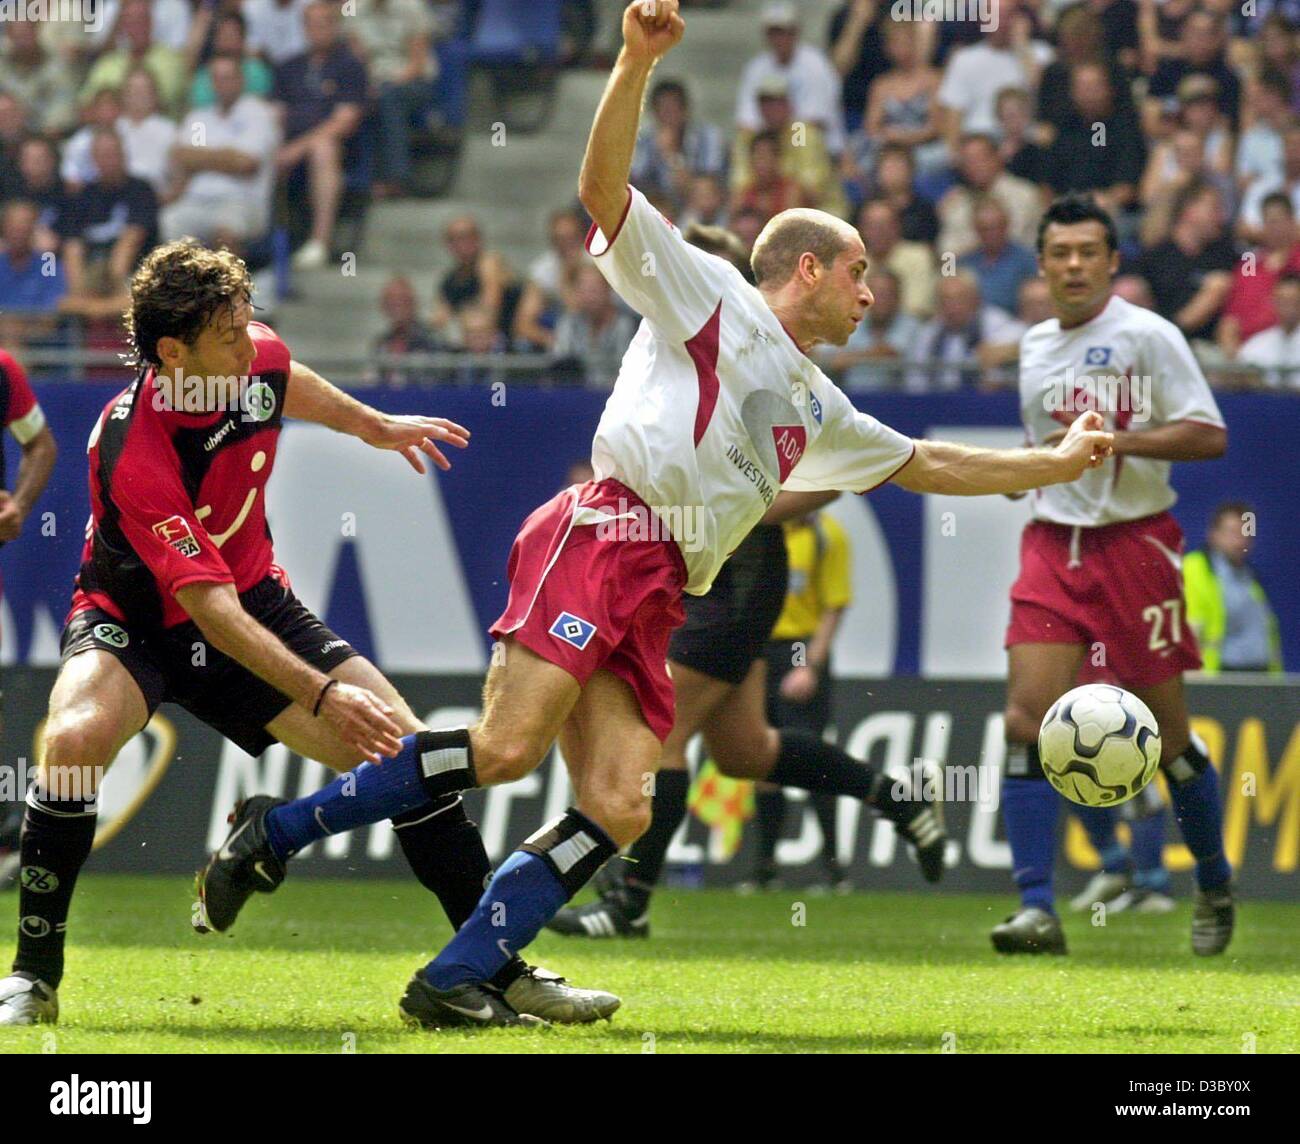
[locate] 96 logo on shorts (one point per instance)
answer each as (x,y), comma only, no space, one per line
(572,630)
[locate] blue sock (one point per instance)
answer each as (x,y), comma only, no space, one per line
(1029,809)
(372,793)
(1200,818)
(522,897)
(1149,871)
(1099,823)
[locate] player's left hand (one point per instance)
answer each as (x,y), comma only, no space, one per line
(413,435)
(799,684)
(11,517)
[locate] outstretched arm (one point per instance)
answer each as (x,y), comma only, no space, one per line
(650,29)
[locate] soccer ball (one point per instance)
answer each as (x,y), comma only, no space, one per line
(1099,745)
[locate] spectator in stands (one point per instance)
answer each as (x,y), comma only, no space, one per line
(1260,151)
(896,185)
(1033,305)
(1276,350)
(31,280)
(1003,57)
(478,335)
(1202,45)
(768,190)
(981,174)
(322,95)
(1080,39)
(147,136)
(747,225)
(1278,51)
(814,82)
(999,265)
(882,337)
(38,182)
(37,78)
(171,24)
(803,155)
(405,334)
(857,52)
(1035,302)
(1018,145)
(109,224)
(1249,308)
(912,262)
(706,204)
(1119,25)
(139,49)
(104,110)
(550,281)
(1226,605)
(229,37)
(1160,28)
(13,129)
(1250,222)
(392,38)
(593,335)
(1175,163)
(1135,289)
(1198,111)
(277,29)
(673,147)
(901,105)
(1100,149)
(1191,272)
(226,182)
(961,324)
(478,277)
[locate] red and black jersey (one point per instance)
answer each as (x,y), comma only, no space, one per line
(19,412)
(180,498)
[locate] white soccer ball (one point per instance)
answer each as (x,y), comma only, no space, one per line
(1099,745)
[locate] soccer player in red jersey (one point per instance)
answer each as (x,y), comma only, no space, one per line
(22,416)
(179,599)
(717,406)
(1100,586)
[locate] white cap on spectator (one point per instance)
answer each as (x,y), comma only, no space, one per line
(780,14)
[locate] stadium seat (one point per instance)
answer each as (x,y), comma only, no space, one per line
(518,47)
(436,147)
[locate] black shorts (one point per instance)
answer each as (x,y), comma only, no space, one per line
(726,630)
(811,716)
(176,665)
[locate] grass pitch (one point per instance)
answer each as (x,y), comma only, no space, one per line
(319,967)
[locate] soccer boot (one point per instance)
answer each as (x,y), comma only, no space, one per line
(1029,930)
(1141,900)
(26,1000)
(918,817)
(1101,887)
(540,993)
(614,914)
(243,866)
(468,1006)
(1213,918)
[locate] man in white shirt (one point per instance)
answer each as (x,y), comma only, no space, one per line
(1099,597)
(1277,350)
(717,406)
(814,84)
(226,155)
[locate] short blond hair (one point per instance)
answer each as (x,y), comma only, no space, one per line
(789,236)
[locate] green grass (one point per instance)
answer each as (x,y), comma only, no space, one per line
(871,972)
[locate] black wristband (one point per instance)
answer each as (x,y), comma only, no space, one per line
(321,697)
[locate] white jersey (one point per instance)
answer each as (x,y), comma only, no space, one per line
(1137,370)
(715,407)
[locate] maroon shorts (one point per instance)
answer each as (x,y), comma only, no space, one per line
(587,595)
(1117,589)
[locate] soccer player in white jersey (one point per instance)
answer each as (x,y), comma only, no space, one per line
(1100,586)
(716,407)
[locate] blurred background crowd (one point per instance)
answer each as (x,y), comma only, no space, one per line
(364,155)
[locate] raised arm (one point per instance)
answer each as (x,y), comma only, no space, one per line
(964,470)
(650,29)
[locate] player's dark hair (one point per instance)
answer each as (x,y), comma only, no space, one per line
(1237,508)
(720,241)
(1278,199)
(1075,208)
(176,291)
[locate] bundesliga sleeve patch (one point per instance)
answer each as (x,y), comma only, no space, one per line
(573,630)
(175,530)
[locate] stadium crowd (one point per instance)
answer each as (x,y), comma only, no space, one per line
(943,141)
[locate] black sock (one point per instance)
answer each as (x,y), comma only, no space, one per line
(769,806)
(808,762)
(56,841)
(826,808)
(645,859)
